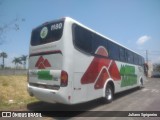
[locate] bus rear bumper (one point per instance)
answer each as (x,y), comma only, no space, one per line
(46,95)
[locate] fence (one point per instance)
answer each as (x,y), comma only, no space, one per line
(13,72)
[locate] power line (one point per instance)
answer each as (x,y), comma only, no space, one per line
(155,51)
(154,54)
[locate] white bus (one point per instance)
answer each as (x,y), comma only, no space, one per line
(70,63)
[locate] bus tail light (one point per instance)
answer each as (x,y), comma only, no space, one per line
(64,79)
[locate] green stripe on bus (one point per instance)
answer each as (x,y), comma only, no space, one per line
(44,75)
(128,75)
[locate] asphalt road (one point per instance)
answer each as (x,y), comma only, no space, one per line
(145,99)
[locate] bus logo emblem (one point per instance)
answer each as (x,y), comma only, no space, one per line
(44,32)
(42,63)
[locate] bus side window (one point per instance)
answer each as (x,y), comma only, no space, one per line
(135,59)
(113,50)
(132,57)
(122,54)
(99,41)
(82,39)
(126,55)
(140,61)
(129,56)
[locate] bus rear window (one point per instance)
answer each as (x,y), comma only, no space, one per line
(47,33)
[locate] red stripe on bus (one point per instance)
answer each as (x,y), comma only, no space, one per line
(46,53)
(114,72)
(109,69)
(101,79)
(94,69)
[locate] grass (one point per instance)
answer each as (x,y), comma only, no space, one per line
(13,92)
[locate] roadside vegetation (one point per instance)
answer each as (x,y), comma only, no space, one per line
(13,92)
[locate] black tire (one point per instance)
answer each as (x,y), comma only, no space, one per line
(108,94)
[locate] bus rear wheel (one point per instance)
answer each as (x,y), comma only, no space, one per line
(108,94)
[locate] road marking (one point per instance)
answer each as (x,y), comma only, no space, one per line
(154,90)
(150,90)
(144,89)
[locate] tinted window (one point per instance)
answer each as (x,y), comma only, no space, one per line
(127,55)
(47,33)
(99,41)
(82,38)
(131,55)
(88,41)
(122,54)
(136,59)
(113,50)
(140,61)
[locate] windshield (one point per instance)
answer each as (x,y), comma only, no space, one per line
(47,33)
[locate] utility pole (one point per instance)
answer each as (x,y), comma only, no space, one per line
(147,68)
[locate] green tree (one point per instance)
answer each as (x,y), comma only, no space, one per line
(17,61)
(3,55)
(24,59)
(13,24)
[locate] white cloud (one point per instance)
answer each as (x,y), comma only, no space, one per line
(143,39)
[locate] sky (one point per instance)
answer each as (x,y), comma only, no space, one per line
(132,23)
